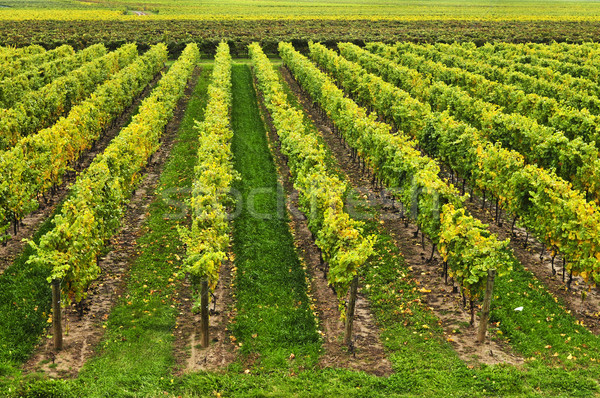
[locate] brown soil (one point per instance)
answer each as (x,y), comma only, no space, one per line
(32,222)
(82,334)
(190,356)
(437,295)
(586,311)
(366,352)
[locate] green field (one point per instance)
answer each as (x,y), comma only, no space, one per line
(274,9)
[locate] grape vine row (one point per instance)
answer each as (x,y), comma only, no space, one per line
(341,239)
(12,89)
(207,240)
(38,162)
(557,215)
(573,122)
(13,67)
(573,160)
(40,109)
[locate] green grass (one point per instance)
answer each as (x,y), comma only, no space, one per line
(274,319)
(545,327)
(25,304)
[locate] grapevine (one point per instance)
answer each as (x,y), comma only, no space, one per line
(559,216)
(341,239)
(38,162)
(41,108)
(208,239)
(573,160)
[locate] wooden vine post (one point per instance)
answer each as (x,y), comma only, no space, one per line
(350,311)
(487,300)
(56,316)
(204,313)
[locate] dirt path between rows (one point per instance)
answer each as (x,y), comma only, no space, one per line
(82,334)
(437,295)
(190,356)
(31,223)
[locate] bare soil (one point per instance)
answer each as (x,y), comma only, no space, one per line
(366,352)
(438,296)
(190,356)
(32,222)
(83,333)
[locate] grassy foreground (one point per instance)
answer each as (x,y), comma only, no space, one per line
(25,305)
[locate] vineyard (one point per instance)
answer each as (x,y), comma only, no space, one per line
(315,213)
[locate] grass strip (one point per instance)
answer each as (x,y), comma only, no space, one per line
(274,319)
